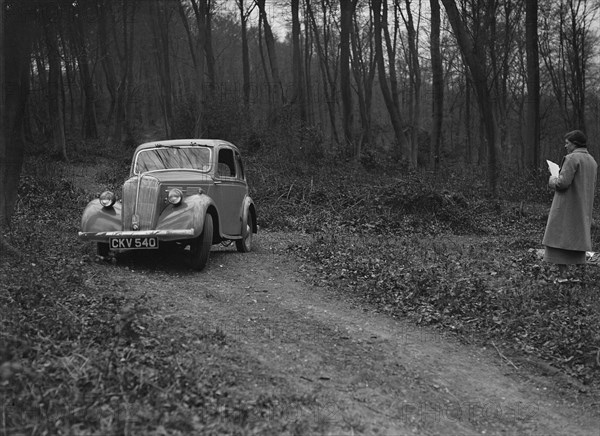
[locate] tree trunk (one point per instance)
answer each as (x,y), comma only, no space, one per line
(3,108)
(69,66)
(364,76)
(107,61)
(347,11)
(468,133)
(245,52)
(437,84)
(270,44)
(208,47)
(160,25)
(119,123)
(188,32)
(42,82)
(308,56)
(390,102)
(128,60)
(532,135)
(476,63)
(199,7)
(15,50)
(263,63)
(90,121)
(299,97)
(414,70)
(578,63)
(55,111)
(328,77)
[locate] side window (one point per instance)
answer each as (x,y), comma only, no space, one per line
(240,166)
(226,164)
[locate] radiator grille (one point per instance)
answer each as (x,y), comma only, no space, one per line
(147,201)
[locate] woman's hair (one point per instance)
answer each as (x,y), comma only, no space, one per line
(577,137)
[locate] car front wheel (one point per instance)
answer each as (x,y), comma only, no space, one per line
(244,245)
(200,246)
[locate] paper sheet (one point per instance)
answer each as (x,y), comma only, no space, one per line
(554,169)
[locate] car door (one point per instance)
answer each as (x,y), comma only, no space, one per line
(230,189)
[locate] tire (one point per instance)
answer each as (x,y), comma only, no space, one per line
(103,249)
(244,245)
(200,246)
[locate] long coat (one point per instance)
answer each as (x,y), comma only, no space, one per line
(570,219)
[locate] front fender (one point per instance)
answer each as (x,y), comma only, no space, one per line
(97,218)
(187,215)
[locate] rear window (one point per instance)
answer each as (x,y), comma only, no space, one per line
(152,159)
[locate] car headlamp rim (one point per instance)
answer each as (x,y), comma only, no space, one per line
(175,196)
(107,199)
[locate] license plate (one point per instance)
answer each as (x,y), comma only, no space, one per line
(138,243)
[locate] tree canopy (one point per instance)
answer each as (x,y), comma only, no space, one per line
(491,83)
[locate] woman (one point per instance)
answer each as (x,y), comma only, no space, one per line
(568,231)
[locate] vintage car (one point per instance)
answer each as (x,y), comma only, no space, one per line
(190,193)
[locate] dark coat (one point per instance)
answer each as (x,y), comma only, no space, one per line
(570,220)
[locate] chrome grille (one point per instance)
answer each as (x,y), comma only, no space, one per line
(147,201)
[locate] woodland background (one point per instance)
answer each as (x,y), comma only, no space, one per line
(405,140)
(486,83)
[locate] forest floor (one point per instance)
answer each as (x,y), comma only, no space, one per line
(305,354)
(382,318)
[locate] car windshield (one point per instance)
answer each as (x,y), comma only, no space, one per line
(163,158)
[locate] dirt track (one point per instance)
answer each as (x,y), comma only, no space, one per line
(371,374)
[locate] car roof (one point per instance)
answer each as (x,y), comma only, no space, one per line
(184,142)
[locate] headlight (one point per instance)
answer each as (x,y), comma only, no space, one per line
(175,196)
(107,199)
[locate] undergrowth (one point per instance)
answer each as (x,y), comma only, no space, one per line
(435,248)
(489,290)
(80,355)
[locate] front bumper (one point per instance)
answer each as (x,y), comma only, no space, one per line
(162,235)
